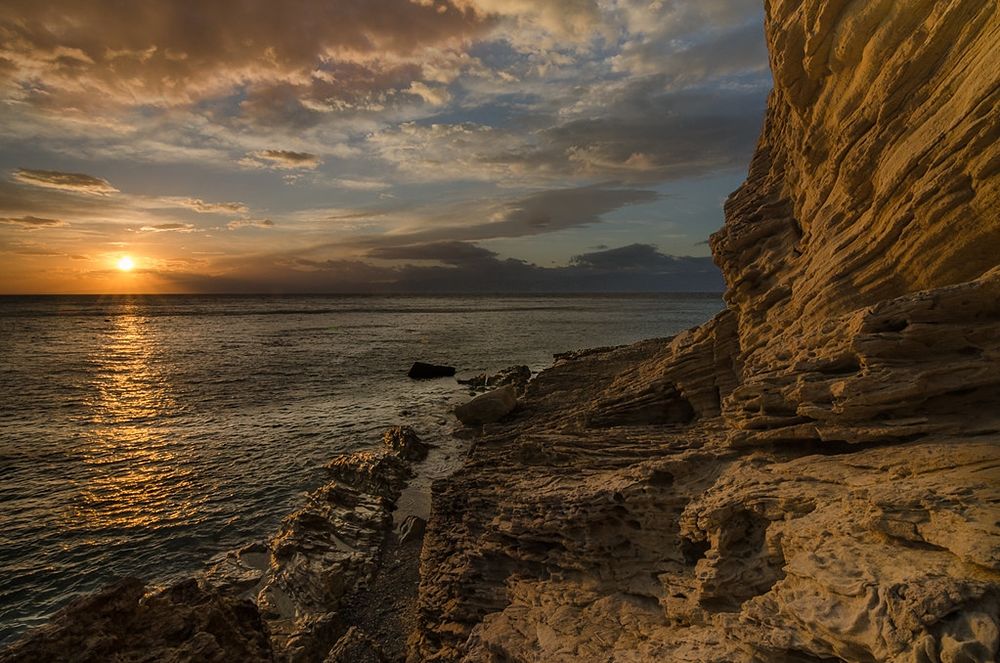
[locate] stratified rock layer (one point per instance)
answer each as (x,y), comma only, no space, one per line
(814,475)
(875,178)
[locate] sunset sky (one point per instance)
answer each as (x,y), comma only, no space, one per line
(372,145)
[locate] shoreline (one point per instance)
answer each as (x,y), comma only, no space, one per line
(395,479)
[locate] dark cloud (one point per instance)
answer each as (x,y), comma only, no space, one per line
(633,256)
(32,222)
(644,134)
(450,253)
(53,179)
(639,131)
(286,159)
(535,214)
(165,53)
(471,269)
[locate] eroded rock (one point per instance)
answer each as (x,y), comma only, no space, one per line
(489,407)
(812,475)
(518,376)
(404,441)
(185,622)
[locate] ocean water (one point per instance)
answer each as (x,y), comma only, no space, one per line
(142,435)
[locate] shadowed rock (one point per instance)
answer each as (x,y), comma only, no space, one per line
(356,647)
(489,407)
(424,371)
(185,622)
(517,376)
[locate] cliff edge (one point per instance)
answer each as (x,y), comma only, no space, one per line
(813,475)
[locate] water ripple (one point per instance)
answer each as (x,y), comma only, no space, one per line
(142,435)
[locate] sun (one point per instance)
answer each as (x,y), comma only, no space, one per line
(125,264)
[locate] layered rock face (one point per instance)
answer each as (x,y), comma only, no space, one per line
(814,475)
(875,178)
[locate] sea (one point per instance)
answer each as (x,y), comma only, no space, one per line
(141,435)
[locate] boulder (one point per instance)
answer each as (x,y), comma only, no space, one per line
(423,371)
(404,441)
(489,407)
(413,528)
(377,473)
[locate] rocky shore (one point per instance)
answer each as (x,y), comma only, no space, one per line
(813,475)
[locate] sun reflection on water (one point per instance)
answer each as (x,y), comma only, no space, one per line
(137,481)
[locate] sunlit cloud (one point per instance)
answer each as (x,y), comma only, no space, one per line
(250,223)
(52,179)
(32,222)
(168,227)
(203,207)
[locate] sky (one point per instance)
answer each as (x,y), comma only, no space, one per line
(372,145)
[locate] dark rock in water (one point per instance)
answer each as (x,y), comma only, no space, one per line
(185,622)
(356,646)
(412,528)
(378,473)
(489,407)
(422,371)
(513,375)
(405,442)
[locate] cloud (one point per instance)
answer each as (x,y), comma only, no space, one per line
(358,184)
(467,269)
(284,159)
(739,50)
(632,130)
(32,222)
(203,207)
(53,179)
(636,257)
(534,214)
(236,224)
(485,119)
(434,96)
(449,253)
(169,53)
(168,227)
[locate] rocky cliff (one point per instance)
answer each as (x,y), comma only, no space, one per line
(815,474)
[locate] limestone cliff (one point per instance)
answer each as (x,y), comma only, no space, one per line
(815,474)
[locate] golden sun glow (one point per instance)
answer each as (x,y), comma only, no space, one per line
(125,264)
